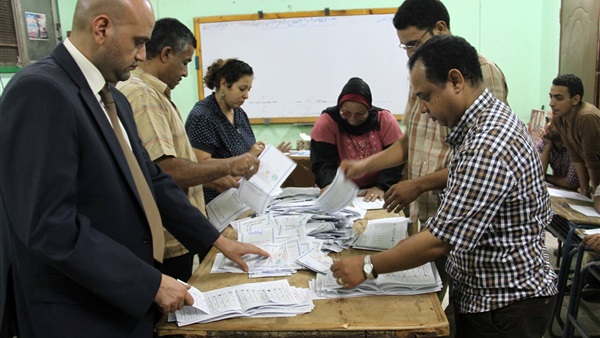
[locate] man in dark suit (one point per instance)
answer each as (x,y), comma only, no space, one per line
(77,248)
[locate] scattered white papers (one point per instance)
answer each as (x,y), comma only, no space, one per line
(568,194)
(281,260)
(591,231)
(225,208)
(266,299)
(316,260)
(588,211)
(382,234)
(360,202)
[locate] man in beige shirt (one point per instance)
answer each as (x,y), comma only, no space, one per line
(423,146)
(161,130)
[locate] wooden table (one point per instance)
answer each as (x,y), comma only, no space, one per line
(560,206)
(374,316)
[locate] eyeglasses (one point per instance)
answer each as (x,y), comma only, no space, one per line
(346,113)
(414,44)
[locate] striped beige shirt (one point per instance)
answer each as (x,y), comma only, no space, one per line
(162,133)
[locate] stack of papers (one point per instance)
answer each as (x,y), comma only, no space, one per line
(338,195)
(382,234)
(267,299)
(423,279)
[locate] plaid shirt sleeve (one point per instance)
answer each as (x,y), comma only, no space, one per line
(476,189)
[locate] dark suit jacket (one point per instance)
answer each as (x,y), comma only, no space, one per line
(74,235)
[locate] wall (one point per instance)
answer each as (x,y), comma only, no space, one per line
(522,37)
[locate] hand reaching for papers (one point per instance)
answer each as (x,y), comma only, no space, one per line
(284,147)
(257,148)
(223,184)
(353,169)
(234,250)
(243,165)
(348,272)
(172,295)
(400,195)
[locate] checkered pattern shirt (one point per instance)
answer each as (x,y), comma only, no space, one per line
(494,211)
(427,151)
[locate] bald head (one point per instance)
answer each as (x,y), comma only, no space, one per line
(87,10)
(112,34)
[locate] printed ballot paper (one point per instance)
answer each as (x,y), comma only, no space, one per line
(262,188)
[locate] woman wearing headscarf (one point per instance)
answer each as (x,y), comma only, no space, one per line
(354,129)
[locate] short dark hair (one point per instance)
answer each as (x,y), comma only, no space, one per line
(421,13)
(230,69)
(442,53)
(572,82)
(169,32)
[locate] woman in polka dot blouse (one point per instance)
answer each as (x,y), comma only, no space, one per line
(217,126)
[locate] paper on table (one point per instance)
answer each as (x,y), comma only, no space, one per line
(248,300)
(360,202)
(567,194)
(592,231)
(588,211)
(315,260)
(225,208)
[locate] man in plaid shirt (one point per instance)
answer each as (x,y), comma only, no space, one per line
(494,208)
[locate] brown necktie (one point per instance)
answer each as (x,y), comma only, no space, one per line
(148,202)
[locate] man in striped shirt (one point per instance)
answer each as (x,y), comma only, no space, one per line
(161,130)
(494,209)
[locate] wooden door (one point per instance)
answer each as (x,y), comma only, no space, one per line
(579,44)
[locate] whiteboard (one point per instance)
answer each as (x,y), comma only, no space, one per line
(301,63)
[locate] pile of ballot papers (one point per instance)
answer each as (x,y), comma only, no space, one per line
(423,279)
(267,299)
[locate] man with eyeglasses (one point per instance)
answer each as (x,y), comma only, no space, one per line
(422,146)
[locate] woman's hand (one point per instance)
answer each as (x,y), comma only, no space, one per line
(257,148)
(284,147)
(373,194)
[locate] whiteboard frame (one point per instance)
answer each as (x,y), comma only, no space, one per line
(268,16)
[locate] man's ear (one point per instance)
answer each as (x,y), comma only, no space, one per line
(100,25)
(440,28)
(576,99)
(165,53)
(456,78)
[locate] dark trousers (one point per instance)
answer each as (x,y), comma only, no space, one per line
(179,267)
(528,318)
